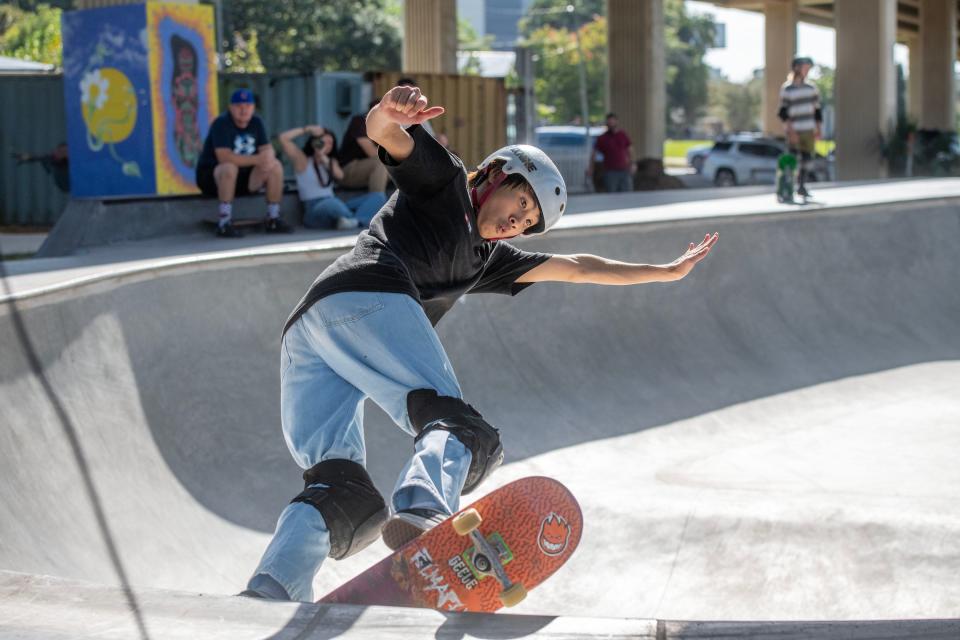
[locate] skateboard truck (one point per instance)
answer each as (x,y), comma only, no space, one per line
(486,559)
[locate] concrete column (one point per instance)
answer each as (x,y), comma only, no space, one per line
(636,81)
(915,80)
(938,45)
(780,45)
(430,36)
(865,85)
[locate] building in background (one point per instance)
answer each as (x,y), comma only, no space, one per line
(497,18)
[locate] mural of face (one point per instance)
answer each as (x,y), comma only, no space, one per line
(185,61)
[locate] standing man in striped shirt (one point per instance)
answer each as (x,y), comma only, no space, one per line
(800,112)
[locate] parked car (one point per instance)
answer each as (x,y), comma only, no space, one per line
(750,159)
(565,146)
(696,156)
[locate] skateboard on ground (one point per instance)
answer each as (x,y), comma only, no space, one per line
(213,222)
(480,559)
(786,167)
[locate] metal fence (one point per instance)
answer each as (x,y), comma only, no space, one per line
(32,121)
(476,110)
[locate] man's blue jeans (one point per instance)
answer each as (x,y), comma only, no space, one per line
(617,181)
(348,347)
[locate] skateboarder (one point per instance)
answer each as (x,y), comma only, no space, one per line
(365,329)
(801,115)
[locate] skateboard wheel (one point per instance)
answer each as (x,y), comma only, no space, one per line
(514,595)
(464,523)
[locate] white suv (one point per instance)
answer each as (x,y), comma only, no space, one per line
(746,159)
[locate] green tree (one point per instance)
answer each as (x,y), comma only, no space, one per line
(824,83)
(468,40)
(554,14)
(687,39)
(302,37)
(33,35)
(546,28)
(737,105)
(556,77)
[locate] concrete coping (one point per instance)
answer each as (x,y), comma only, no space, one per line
(133,259)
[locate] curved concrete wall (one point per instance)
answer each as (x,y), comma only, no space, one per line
(774,437)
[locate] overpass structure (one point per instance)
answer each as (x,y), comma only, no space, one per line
(771,439)
(865,81)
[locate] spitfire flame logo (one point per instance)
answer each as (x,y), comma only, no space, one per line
(554,534)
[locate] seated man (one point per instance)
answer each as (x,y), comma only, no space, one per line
(362,168)
(237,159)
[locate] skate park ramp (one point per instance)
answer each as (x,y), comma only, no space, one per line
(774,438)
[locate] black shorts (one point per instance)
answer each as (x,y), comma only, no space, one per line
(208,185)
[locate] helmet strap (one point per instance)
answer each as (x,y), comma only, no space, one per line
(493,186)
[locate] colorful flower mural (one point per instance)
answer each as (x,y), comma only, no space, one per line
(140,86)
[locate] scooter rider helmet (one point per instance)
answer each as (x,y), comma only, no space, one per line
(540,172)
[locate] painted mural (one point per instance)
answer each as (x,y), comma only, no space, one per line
(106,89)
(139,82)
(183,80)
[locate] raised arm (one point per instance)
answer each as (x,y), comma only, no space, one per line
(399,108)
(590,269)
(296,155)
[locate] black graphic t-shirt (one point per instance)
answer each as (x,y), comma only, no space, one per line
(424,241)
(225,134)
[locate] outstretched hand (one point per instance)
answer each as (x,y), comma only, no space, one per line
(407,106)
(694,254)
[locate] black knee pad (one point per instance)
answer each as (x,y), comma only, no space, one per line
(429,411)
(350,504)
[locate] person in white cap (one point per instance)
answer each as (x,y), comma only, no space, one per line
(365,329)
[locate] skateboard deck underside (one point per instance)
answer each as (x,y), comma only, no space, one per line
(535,524)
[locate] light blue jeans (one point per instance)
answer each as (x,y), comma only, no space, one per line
(345,348)
(322,213)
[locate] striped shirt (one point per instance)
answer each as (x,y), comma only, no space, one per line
(800,103)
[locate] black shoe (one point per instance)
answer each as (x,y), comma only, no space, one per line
(229,231)
(276,225)
(404,526)
(803,193)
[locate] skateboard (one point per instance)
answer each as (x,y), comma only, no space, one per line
(786,165)
(480,559)
(214,221)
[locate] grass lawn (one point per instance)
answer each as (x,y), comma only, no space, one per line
(679,148)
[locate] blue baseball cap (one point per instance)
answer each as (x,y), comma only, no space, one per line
(242,96)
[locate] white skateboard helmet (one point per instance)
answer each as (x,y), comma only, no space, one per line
(538,170)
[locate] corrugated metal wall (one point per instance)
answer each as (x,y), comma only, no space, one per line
(31,121)
(475,120)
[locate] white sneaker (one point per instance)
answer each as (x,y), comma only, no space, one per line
(404,526)
(347,223)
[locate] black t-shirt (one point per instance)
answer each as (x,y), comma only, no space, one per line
(225,134)
(424,241)
(350,149)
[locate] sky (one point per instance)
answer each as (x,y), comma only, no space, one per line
(744,51)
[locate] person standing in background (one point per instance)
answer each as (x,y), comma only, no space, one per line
(617,150)
(801,114)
